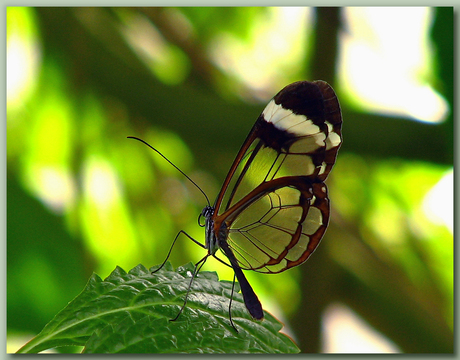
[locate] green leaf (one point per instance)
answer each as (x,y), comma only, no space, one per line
(131,312)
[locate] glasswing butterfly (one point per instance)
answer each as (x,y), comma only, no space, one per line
(273,208)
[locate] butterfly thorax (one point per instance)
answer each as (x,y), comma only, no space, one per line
(214,233)
(211,239)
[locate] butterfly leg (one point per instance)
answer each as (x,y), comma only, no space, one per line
(198,267)
(170,250)
(230,304)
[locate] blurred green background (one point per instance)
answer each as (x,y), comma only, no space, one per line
(82,198)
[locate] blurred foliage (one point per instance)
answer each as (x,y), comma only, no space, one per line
(127,313)
(82,198)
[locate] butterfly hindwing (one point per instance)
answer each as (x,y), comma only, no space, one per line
(281,229)
(274,202)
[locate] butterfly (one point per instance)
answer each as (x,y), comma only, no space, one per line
(273,208)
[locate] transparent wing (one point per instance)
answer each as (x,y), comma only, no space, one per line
(274,203)
(280,229)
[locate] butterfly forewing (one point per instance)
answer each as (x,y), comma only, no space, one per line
(274,202)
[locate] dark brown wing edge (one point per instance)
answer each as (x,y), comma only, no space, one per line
(333,115)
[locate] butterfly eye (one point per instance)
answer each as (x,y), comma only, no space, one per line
(206,213)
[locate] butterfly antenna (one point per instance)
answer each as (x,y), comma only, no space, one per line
(169,161)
